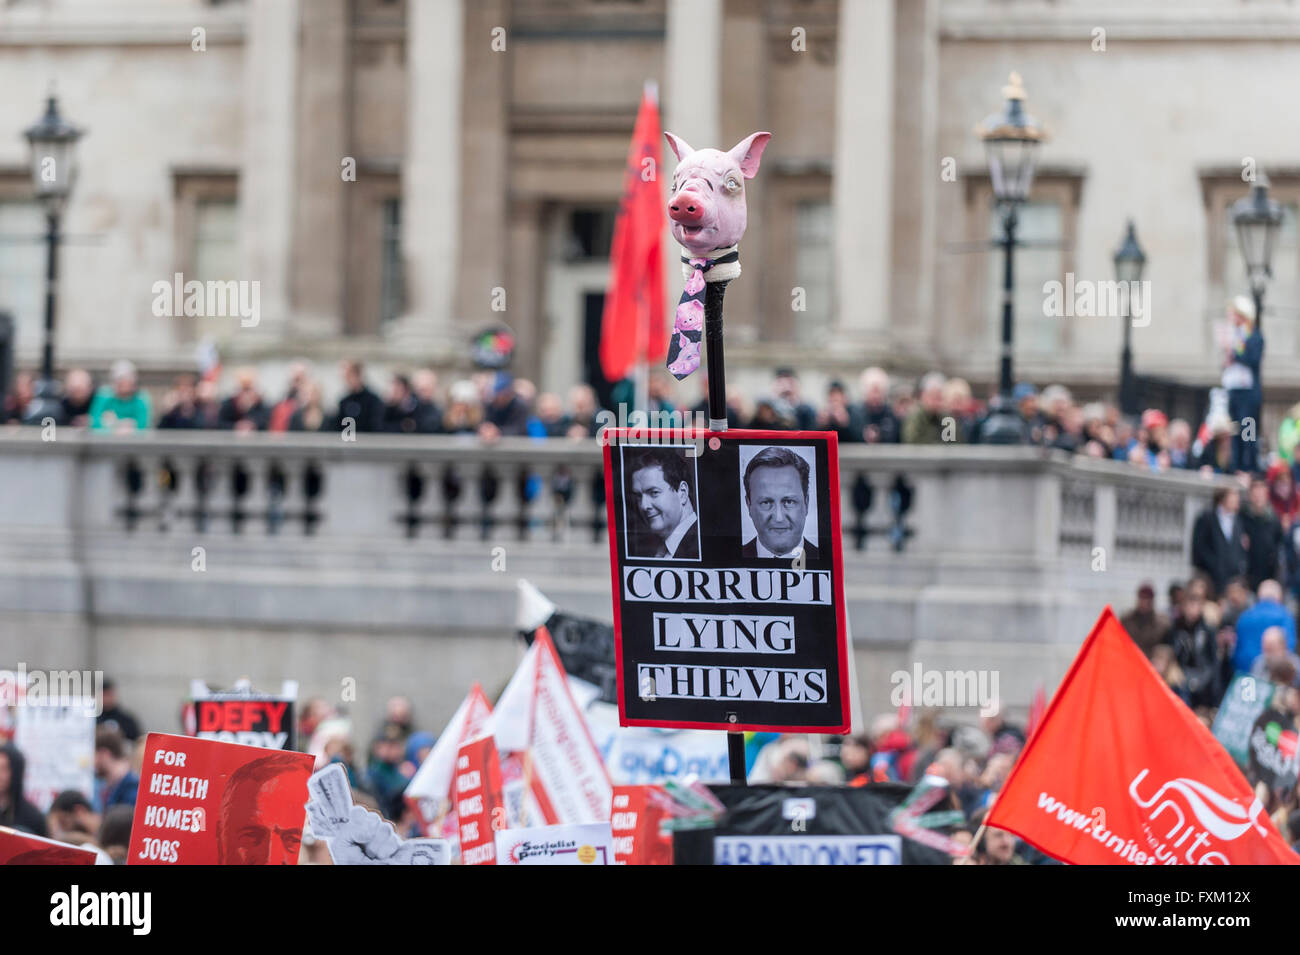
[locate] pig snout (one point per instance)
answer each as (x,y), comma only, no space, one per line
(686,207)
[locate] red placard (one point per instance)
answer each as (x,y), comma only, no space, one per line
(203,802)
(735,577)
(635,822)
(22,848)
(479,805)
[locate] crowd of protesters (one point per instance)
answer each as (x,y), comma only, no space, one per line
(933,410)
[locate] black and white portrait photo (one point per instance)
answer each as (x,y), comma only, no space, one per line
(778,502)
(660,503)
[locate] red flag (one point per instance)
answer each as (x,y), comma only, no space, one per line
(1036,710)
(633,326)
(1121,772)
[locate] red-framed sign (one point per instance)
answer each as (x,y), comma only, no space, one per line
(728,579)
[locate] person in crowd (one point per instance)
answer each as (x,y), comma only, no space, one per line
(506,414)
(837,416)
(876,420)
(1202,655)
(72,818)
(1165,663)
(21,393)
(998,847)
(244,410)
(123,405)
(788,403)
(309,413)
(78,393)
(1217,454)
(959,403)
(1264,533)
(180,405)
(402,411)
(464,410)
(115,833)
(1282,496)
(283,410)
(1241,380)
(1237,599)
(15,811)
(359,405)
(925,425)
(583,410)
(1268,611)
(1275,657)
(428,415)
(1025,399)
(1180,444)
(399,711)
(1146,625)
(116,783)
(1219,539)
(855,759)
(114,716)
(549,419)
(384,771)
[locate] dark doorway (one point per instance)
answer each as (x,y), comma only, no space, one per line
(593,307)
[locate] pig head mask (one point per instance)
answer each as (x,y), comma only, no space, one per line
(708,216)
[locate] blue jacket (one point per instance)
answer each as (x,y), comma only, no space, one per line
(1250,631)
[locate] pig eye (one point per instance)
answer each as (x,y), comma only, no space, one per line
(733,184)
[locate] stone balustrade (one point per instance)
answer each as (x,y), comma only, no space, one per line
(392,560)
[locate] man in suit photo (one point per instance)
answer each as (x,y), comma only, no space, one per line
(776,496)
(663,495)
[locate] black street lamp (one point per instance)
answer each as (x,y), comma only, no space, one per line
(1129,262)
(1257,218)
(1011,138)
(53,154)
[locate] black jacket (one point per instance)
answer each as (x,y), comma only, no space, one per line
(364,407)
(1219,557)
(19,813)
(1264,531)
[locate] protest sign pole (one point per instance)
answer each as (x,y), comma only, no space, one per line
(713,294)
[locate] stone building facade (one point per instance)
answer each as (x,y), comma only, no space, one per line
(392,171)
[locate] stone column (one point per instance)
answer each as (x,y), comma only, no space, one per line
(431,193)
(690,107)
(863,178)
(484,145)
(319,247)
(266,177)
(915,329)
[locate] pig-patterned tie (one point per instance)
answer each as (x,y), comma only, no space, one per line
(688,326)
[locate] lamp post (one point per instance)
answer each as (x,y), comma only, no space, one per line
(1129,262)
(1010,138)
(1257,218)
(53,156)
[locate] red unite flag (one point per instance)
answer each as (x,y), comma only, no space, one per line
(633,327)
(1122,772)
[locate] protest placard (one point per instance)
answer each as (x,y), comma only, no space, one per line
(205,802)
(23,848)
(1245,699)
(243,716)
(58,738)
(590,843)
(728,580)
(479,804)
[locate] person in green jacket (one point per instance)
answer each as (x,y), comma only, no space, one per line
(121,406)
(1288,435)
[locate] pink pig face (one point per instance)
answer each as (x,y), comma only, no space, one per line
(708,192)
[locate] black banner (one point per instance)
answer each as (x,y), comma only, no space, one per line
(804,825)
(727,579)
(586,648)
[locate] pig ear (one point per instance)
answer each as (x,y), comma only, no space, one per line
(680,147)
(748,151)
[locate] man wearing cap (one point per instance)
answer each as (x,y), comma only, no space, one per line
(1241,381)
(121,406)
(1025,397)
(1154,423)
(1144,623)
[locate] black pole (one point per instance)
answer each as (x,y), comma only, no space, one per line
(1006,380)
(1259,308)
(713,294)
(1004,425)
(46,403)
(1127,399)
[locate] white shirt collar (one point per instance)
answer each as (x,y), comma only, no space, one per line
(764,552)
(676,536)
